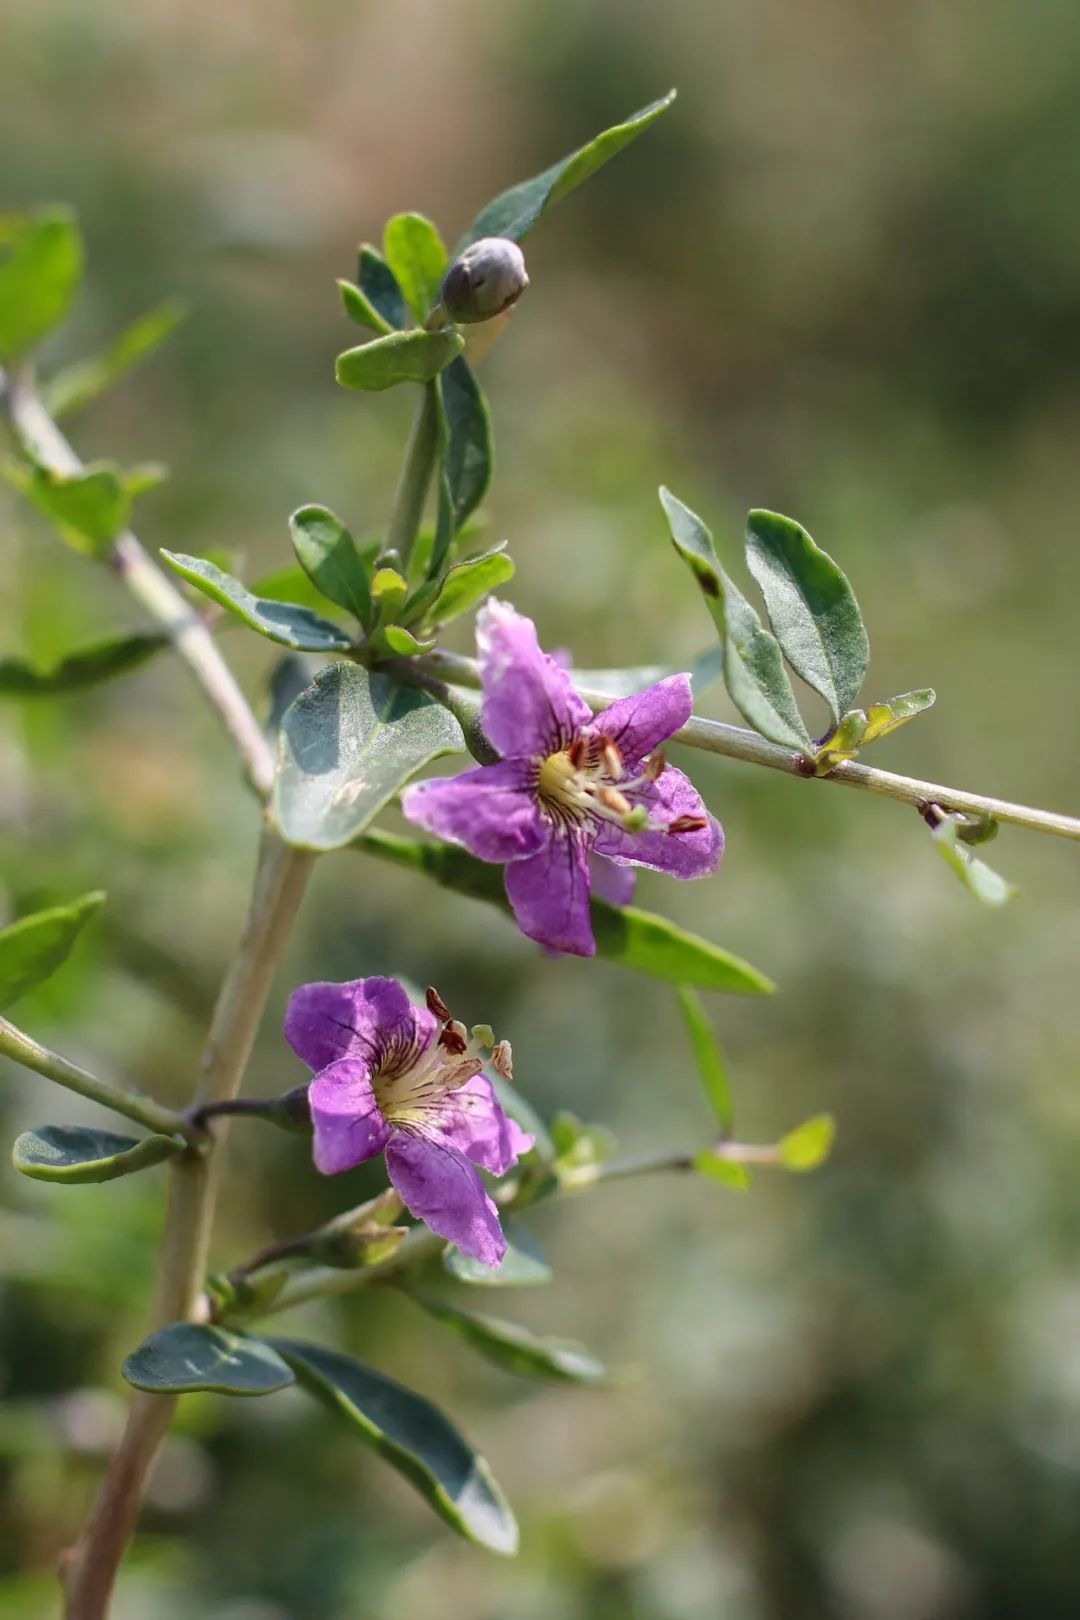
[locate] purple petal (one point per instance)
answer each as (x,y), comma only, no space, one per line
(550,894)
(473,1120)
(363,1018)
(441,1188)
(681,854)
(615,884)
(493,811)
(638,724)
(530,706)
(348,1125)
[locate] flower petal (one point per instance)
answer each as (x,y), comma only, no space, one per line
(348,1125)
(550,894)
(638,724)
(615,884)
(365,1018)
(473,1120)
(530,706)
(682,854)
(441,1188)
(493,811)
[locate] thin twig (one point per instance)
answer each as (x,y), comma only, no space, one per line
(734,742)
(415,479)
(22,1048)
(35,428)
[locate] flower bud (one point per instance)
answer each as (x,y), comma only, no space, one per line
(485,280)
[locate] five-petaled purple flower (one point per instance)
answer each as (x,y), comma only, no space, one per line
(568,785)
(405,1080)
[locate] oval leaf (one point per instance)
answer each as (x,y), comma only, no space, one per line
(626,934)
(468,582)
(514,213)
(523,1266)
(811,606)
(33,948)
(75,1153)
(89,666)
(983,882)
(327,553)
(401,357)
(414,1437)
(90,508)
(753,665)
(347,745)
(283,622)
(416,254)
(469,452)
(359,308)
(514,1348)
(186,1357)
(881,718)
(77,385)
(38,279)
(379,286)
(718,1167)
(808,1145)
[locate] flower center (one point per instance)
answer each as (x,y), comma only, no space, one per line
(405,1095)
(578,785)
(561,784)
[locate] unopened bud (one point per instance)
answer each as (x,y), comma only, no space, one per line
(485,280)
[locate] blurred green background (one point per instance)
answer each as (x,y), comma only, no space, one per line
(841,279)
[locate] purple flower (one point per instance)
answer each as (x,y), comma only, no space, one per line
(404,1080)
(568,786)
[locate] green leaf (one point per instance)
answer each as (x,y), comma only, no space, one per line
(359,308)
(399,643)
(189,1356)
(38,279)
(416,254)
(80,670)
(379,286)
(347,745)
(468,582)
(984,883)
(79,384)
(291,584)
(812,608)
(753,666)
(283,622)
(327,553)
(469,453)
(514,213)
(414,1437)
(580,1150)
(90,508)
(843,742)
(717,1166)
(141,479)
(636,939)
(514,1348)
(524,1265)
(389,591)
(401,357)
(75,1153)
(881,718)
(33,948)
(711,1067)
(808,1145)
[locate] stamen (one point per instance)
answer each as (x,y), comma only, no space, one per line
(655,765)
(685,824)
(577,751)
(612,758)
(437,1005)
(502,1060)
(453,1038)
(614,800)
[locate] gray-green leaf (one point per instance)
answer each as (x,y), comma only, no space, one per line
(90,508)
(514,1348)
(283,622)
(347,745)
(753,665)
(379,286)
(984,883)
(33,948)
(327,553)
(469,452)
(416,254)
(79,384)
(468,582)
(402,357)
(77,1153)
(414,1437)
(811,606)
(87,667)
(186,1357)
(38,279)
(514,212)
(637,939)
(523,1266)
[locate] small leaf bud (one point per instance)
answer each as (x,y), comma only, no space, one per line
(485,280)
